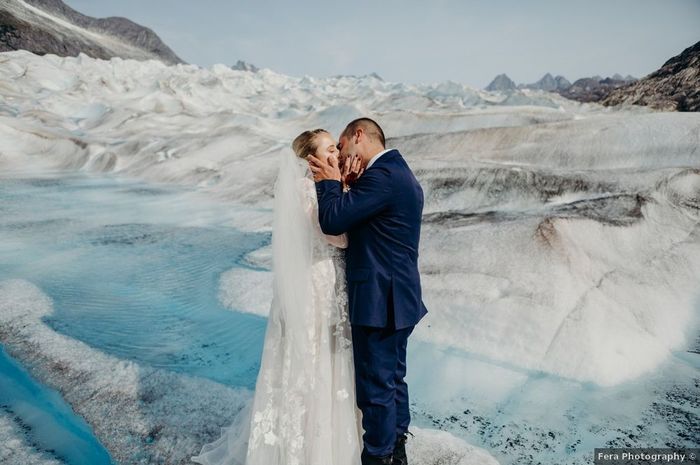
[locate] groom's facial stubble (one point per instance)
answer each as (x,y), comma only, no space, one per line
(350,146)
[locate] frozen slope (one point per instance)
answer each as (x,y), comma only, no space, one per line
(558,236)
(560,240)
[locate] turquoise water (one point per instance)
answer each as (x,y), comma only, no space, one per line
(122,262)
(49,421)
(133,270)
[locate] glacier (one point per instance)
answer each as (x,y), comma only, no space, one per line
(560,254)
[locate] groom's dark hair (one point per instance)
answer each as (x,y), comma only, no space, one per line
(369,126)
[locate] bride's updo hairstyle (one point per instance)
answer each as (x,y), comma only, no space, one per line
(305,143)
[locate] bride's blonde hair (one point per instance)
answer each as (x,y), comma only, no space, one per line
(305,143)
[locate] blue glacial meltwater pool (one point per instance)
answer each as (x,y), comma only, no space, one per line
(133,270)
(46,419)
(130,273)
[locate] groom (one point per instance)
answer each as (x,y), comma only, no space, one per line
(381,214)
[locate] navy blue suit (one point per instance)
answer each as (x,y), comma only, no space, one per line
(382,216)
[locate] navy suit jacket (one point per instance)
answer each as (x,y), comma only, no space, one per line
(382,216)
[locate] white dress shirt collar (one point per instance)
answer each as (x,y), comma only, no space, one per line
(374,158)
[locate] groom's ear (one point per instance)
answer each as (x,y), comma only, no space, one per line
(358,132)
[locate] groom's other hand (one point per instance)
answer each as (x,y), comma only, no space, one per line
(352,169)
(324,169)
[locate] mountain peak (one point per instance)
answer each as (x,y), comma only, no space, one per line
(45,31)
(548,83)
(501,83)
(245,66)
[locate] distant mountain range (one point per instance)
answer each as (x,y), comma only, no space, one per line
(549,83)
(674,86)
(594,89)
(245,66)
(589,89)
(502,83)
(51,26)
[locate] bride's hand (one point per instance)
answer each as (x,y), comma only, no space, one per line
(352,170)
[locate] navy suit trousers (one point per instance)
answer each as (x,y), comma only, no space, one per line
(382,393)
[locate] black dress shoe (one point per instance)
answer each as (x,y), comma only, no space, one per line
(400,450)
(372,460)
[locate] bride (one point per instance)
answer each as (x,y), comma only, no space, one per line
(303,411)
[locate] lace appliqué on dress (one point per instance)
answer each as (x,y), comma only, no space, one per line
(304,412)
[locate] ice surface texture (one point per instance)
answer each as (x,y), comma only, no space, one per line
(560,242)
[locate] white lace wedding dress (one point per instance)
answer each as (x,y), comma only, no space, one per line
(304,410)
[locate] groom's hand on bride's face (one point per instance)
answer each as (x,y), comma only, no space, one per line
(352,169)
(324,169)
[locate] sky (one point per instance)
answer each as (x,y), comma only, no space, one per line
(422,41)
